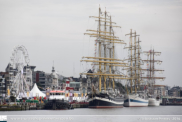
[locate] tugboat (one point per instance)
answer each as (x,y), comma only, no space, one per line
(56,97)
(57,101)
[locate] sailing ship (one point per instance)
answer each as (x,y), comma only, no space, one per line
(153,97)
(137,97)
(105,95)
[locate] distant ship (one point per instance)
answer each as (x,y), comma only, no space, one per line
(136,97)
(154,99)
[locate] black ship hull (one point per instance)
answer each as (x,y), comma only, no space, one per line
(57,104)
(104,101)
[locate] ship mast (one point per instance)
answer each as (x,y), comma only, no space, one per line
(99,51)
(105,50)
(139,67)
(151,78)
(105,37)
(110,52)
(135,59)
(130,60)
(134,62)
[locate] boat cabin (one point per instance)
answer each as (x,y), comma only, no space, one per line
(57,94)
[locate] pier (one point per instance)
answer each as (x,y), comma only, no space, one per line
(172,101)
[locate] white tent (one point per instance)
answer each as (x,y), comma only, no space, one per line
(36,92)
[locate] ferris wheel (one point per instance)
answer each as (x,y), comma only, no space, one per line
(20,73)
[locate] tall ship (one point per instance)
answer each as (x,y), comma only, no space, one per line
(105,72)
(154,99)
(136,96)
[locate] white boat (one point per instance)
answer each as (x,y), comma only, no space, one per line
(57,100)
(154,102)
(135,100)
(57,94)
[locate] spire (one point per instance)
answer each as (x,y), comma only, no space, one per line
(53,67)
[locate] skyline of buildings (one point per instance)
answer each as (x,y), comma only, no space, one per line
(45,80)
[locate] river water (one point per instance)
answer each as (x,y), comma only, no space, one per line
(127,114)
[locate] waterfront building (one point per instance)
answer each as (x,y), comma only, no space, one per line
(40,79)
(175,91)
(4,83)
(50,78)
(10,73)
(46,80)
(161,91)
(75,85)
(2,88)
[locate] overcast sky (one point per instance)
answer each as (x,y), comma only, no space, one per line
(53,30)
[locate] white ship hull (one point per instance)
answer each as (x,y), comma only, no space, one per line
(135,101)
(154,102)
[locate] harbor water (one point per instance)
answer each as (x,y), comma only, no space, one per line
(133,114)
